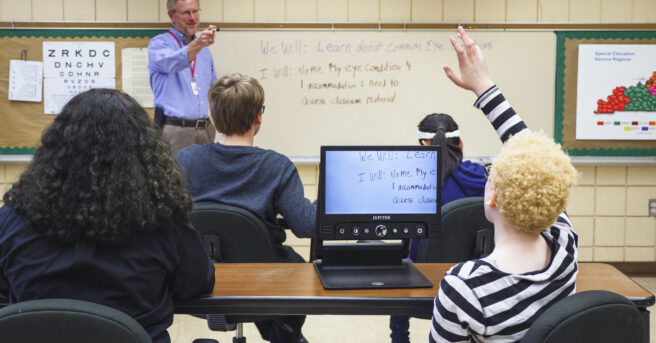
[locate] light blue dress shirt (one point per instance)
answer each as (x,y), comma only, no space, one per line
(170,76)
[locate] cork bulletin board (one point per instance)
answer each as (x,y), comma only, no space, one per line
(23,122)
(567,61)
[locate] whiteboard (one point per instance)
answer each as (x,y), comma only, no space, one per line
(373,87)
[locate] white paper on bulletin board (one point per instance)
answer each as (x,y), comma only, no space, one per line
(25,80)
(135,77)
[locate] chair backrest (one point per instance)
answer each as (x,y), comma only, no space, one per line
(70,321)
(232,234)
(235,235)
(590,316)
(465,234)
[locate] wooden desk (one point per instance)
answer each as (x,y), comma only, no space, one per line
(294,288)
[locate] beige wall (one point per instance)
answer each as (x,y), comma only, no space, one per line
(608,207)
(487,11)
(609,211)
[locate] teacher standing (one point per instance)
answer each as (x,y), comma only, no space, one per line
(181,72)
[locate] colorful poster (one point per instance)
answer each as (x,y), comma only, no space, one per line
(616,92)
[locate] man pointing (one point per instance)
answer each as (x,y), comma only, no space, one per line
(181,72)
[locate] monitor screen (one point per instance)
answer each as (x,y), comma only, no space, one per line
(362,187)
(393,181)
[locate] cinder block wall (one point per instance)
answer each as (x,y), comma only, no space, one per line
(608,207)
(515,11)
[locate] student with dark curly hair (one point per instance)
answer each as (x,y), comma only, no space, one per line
(100,215)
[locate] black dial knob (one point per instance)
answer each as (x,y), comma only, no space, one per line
(381,230)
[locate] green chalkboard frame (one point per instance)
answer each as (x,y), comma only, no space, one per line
(75,34)
(562,36)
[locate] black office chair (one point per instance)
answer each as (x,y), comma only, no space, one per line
(591,316)
(232,234)
(464,235)
(70,321)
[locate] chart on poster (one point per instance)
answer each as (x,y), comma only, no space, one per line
(616,92)
(70,68)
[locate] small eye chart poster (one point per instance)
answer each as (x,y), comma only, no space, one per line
(25,80)
(70,68)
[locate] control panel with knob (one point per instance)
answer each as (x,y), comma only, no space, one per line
(349,231)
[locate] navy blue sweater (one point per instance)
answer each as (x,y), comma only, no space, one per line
(261,181)
(141,279)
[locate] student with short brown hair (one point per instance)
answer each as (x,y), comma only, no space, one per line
(235,172)
(237,101)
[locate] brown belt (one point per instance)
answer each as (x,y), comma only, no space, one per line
(199,124)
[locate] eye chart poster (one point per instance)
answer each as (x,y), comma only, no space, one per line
(70,68)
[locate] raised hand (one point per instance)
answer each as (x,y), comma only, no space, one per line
(473,71)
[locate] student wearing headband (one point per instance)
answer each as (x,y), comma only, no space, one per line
(460,179)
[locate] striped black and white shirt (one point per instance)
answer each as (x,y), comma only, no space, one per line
(480,303)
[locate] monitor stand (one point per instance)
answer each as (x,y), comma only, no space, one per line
(366,266)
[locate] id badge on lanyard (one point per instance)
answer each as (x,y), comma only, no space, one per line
(194,86)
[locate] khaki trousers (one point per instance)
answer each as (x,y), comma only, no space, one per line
(180,137)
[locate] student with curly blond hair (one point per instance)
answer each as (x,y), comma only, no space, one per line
(533,264)
(532,179)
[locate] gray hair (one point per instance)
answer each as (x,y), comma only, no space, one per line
(170,4)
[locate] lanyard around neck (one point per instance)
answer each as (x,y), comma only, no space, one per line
(193,66)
